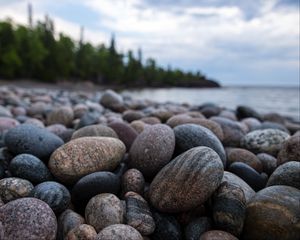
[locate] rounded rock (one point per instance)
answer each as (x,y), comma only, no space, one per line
(96,130)
(27,138)
(290,150)
(56,195)
(94,184)
(197,227)
(104,210)
(264,141)
(120,232)
(7,123)
(83,231)
(29,167)
(190,135)
(286,174)
(85,155)
(198,172)
(112,100)
(273,213)
(269,162)
(28,218)
(63,115)
(14,188)
(133,180)
(152,149)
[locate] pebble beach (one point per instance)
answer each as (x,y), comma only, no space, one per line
(100,165)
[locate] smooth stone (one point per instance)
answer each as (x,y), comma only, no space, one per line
(286,174)
(56,195)
(190,135)
(4,112)
(233,179)
(162,114)
(248,174)
(38,108)
(138,125)
(27,138)
(94,184)
(217,235)
(198,172)
(85,155)
(67,221)
(152,149)
(264,141)
(63,115)
(119,232)
(66,135)
(151,120)
(13,188)
(82,232)
(138,214)
(252,123)
(7,123)
(79,110)
(245,156)
(18,111)
(232,130)
(133,180)
(56,128)
(125,132)
(290,150)
(274,117)
(166,227)
(29,167)
(104,210)
(89,118)
(210,110)
(197,227)
(131,115)
(229,208)
(292,127)
(269,162)
(94,131)
(273,213)
(272,125)
(35,122)
(28,218)
(110,99)
(246,112)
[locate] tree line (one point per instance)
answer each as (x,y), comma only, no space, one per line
(36,52)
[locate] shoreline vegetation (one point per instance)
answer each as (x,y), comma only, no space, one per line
(38,53)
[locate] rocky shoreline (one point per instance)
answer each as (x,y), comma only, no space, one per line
(98,165)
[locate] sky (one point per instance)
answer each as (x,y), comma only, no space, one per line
(232,41)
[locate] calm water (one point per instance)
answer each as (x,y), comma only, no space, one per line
(285,101)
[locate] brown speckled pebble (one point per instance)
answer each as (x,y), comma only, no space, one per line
(187,181)
(133,180)
(119,232)
(14,188)
(67,221)
(85,155)
(290,150)
(103,210)
(28,218)
(82,232)
(217,235)
(63,115)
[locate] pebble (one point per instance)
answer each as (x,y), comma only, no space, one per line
(290,150)
(104,210)
(197,227)
(119,232)
(63,115)
(94,184)
(67,221)
(125,132)
(245,156)
(269,162)
(27,138)
(82,232)
(264,141)
(248,174)
(273,213)
(246,112)
(198,172)
(286,174)
(96,130)
(89,118)
(133,181)
(217,235)
(28,218)
(112,100)
(152,149)
(56,128)
(13,188)
(85,155)
(138,214)
(7,123)
(56,195)
(131,115)
(190,135)
(29,167)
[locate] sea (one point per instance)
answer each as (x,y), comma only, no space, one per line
(282,100)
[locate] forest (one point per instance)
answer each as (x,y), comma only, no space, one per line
(38,52)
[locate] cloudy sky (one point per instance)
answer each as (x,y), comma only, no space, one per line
(235,42)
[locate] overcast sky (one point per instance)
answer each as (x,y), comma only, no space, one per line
(237,42)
